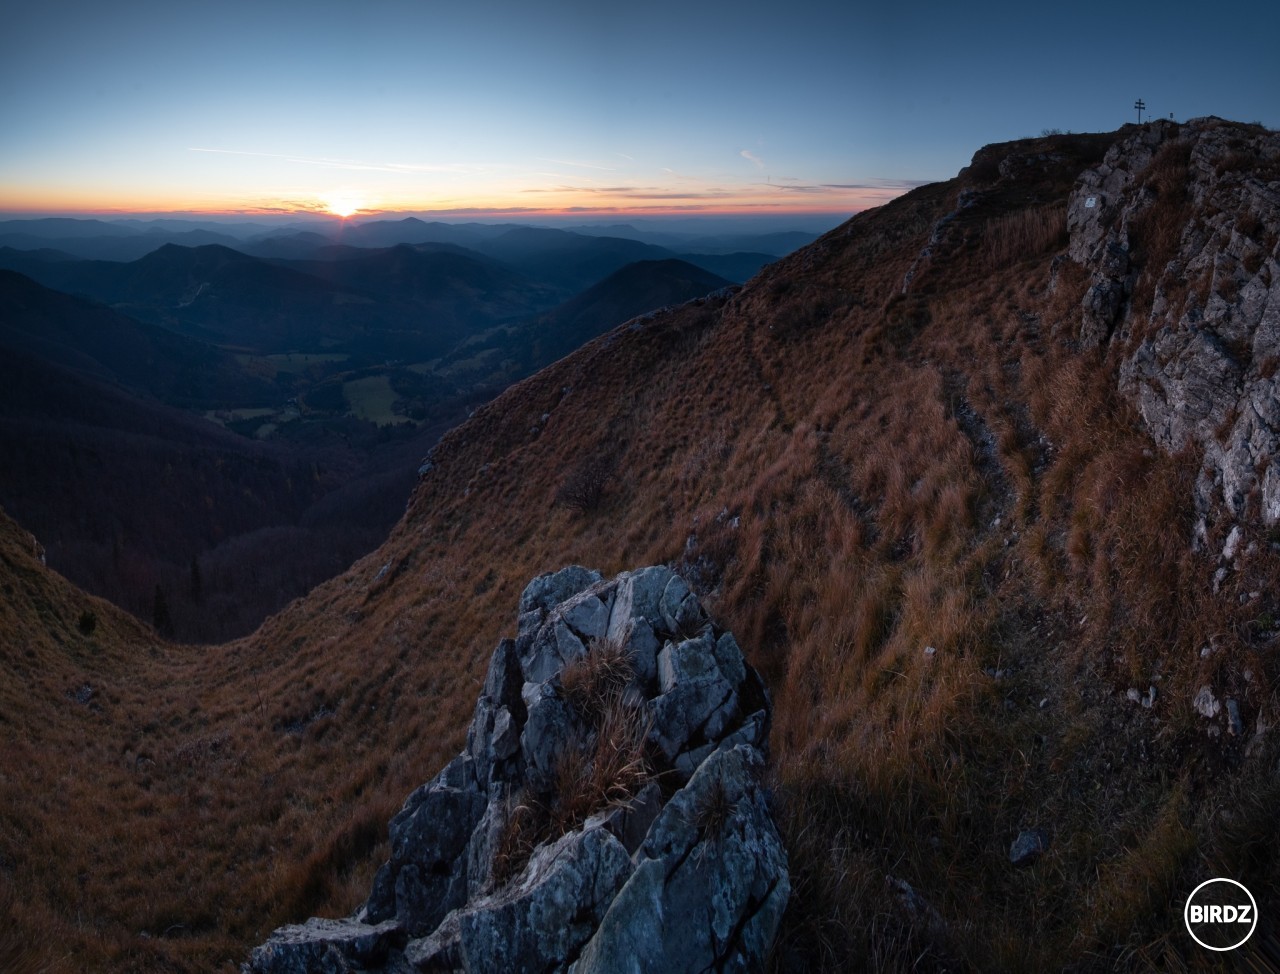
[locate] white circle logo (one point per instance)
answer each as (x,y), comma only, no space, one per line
(1220,914)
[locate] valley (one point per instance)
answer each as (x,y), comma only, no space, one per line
(336,369)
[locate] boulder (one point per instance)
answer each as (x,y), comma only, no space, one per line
(606,815)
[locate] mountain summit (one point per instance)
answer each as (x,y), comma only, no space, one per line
(982,483)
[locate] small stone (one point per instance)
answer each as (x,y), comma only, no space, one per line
(930,650)
(1149,700)
(1232,545)
(1133,694)
(1028,847)
(1234,724)
(1206,703)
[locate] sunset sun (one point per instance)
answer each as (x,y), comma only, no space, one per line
(343,204)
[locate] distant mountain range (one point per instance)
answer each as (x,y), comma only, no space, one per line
(391,303)
(574,263)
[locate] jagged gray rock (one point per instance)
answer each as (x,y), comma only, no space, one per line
(715,836)
(1200,364)
(607,813)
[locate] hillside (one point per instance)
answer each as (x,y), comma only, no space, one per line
(495,358)
(100,343)
(980,480)
(635,289)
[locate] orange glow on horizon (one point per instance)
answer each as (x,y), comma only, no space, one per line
(520,198)
(89,208)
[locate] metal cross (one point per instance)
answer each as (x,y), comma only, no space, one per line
(1139,105)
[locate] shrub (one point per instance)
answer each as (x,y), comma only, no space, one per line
(583,489)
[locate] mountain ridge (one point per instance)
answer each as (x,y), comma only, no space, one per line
(900,465)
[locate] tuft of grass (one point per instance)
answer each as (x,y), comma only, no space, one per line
(605,765)
(713,812)
(593,684)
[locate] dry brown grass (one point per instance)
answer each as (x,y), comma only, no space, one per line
(866,467)
(604,767)
(1024,235)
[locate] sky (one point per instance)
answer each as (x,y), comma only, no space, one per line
(590,108)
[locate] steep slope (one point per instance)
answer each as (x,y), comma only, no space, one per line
(905,467)
(127,494)
(955,551)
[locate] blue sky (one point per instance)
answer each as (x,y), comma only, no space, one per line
(500,107)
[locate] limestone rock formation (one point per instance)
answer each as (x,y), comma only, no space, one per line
(607,814)
(1178,228)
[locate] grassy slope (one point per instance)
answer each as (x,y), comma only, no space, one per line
(828,457)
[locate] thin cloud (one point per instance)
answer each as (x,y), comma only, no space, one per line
(752,158)
(795,187)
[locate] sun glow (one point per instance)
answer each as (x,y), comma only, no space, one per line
(343,204)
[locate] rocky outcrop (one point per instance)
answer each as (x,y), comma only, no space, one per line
(1179,228)
(607,814)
